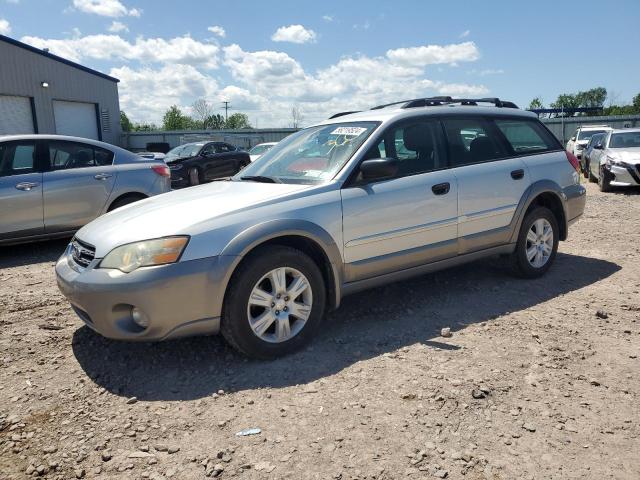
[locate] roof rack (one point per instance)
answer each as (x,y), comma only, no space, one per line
(340,114)
(439,101)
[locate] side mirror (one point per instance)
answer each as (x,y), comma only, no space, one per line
(379,168)
(598,146)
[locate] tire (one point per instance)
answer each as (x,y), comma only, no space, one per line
(519,259)
(194,177)
(238,314)
(585,168)
(590,176)
(122,201)
(604,180)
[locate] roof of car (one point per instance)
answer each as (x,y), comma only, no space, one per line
(625,130)
(385,115)
(40,136)
(595,127)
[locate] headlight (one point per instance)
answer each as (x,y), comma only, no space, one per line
(160,251)
(614,161)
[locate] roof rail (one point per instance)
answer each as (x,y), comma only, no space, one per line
(439,101)
(340,114)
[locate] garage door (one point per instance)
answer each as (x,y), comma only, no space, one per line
(75,118)
(15,115)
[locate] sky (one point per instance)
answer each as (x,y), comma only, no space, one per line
(329,56)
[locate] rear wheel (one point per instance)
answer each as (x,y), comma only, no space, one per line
(126,200)
(604,180)
(274,304)
(537,243)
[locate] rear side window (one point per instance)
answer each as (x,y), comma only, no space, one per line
(526,136)
(67,155)
(472,140)
(17,158)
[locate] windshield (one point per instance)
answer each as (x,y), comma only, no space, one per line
(595,139)
(312,155)
(183,151)
(260,149)
(625,140)
(587,134)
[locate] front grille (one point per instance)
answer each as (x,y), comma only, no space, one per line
(82,253)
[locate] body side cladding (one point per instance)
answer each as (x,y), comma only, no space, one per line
(253,237)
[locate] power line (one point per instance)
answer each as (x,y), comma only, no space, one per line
(226,110)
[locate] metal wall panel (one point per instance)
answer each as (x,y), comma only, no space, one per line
(23,72)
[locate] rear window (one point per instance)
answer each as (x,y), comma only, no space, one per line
(526,136)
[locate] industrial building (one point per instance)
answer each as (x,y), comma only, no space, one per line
(44,93)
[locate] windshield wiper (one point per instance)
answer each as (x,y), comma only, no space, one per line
(259,178)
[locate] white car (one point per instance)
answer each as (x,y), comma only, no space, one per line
(615,160)
(260,149)
(580,139)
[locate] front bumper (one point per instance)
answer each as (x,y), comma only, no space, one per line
(179,299)
(624,176)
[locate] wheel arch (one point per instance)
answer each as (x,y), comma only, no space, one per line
(303,235)
(138,195)
(547,194)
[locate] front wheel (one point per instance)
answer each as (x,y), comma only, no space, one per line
(274,304)
(537,243)
(194,177)
(604,180)
(590,176)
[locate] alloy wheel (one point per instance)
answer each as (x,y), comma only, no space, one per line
(539,243)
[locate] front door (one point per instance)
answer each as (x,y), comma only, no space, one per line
(20,190)
(77,185)
(407,220)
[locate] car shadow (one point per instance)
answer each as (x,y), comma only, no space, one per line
(367,325)
(30,253)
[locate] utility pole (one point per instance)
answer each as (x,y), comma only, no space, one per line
(226,110)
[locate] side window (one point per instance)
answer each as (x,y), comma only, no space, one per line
(65,155)
(17,158)
(209,149)
(472,140)
(222,148)
(525,136)
(416,145)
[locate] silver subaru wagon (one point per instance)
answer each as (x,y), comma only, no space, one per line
(51,185)
(357,201)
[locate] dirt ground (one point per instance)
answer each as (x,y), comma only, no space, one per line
(540,379)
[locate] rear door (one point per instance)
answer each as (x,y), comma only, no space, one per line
(229,158)
(77,185)
(20,189)
(491,181)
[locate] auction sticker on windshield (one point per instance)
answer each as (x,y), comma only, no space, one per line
(353,131)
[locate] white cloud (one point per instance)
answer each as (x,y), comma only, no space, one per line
(218,30)
(116,27)
(184,49)
(327,18)
(294,34)
(465,34)
(487,71)
(5,27)
(106,8)
(434,54)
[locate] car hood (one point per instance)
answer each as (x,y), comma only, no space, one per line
(175,213)
(628,155)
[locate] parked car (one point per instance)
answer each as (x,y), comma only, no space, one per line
(260,150)
(586,153)
(330,210)
(51,185)
(615,160)
(579,140)
(202,162)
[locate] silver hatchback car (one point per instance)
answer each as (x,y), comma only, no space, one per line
(51,185)
(357,201)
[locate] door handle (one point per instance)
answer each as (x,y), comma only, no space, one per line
(517,174)
(102,176)
(26,186)
(441,188)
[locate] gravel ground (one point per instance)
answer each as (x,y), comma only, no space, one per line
(539,379)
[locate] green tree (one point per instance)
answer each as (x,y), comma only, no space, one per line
(536,103)
(238,120)
(636,103)
(174,119)
(125,123)
(215,122)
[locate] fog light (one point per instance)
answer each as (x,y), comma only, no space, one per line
(139,317)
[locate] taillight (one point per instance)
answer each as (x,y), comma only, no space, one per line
(161,170)
(573,160)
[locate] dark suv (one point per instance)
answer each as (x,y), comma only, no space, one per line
(202,162)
